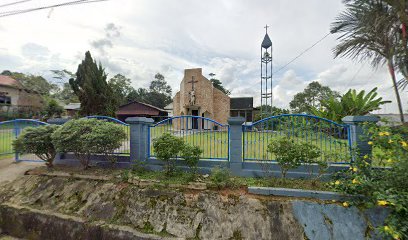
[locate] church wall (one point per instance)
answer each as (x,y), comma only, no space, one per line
(221,106)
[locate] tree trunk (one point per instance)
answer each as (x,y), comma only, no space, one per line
(394,81)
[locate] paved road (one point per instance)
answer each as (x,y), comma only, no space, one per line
(10,170)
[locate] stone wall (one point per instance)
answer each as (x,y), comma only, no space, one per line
(173,213)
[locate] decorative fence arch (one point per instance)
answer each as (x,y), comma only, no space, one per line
(211,136)
(10,130)
(332,138)
(125,148)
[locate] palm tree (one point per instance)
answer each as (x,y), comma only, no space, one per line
(369,31)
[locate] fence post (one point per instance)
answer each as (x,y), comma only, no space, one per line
(138,137)
(235,141)
(358,137)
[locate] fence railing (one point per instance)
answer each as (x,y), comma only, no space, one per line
(125,147)
(211,136)
(333,139)
(10,130)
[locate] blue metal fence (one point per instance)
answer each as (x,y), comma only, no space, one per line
(10,130)
(333,139)
(125,148)
(211,136)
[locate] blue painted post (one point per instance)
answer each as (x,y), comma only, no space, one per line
(235,148)
(138,138)
(358,137)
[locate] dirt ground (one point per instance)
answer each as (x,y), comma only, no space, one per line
(10,170)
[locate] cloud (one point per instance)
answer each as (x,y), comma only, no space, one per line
(111,32)
(35,51)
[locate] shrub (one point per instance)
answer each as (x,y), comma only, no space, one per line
(38,141)
(167,147)
(310,155)
(383,187)
(191,155)
(85,137)
(287,153)
(221,178)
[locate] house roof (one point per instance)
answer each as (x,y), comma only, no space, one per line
(73,106)
(10,82)
(148,105)
(242,103)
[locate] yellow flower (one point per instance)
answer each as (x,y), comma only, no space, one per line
(386,134)
(390,141)
(337,182)
(380,134)
(390,160)
(333,201)
(382,203)
(370,143)
(355,169)
(355,181)
(365,156)
(346,204)
(387,229)
(404,144)
(396,236)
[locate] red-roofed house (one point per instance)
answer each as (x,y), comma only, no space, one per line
(14,98)
(139,109)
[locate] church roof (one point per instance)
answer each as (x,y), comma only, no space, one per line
(242,103)
(266,43)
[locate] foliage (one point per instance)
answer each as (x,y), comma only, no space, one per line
(121,88)
(218,84)
(191,154)
(38,141)
(66,94)
(370,30)
(53,109)
(310,156)
(311,97)
(167,147)
(269,111)
(382,187)
(290,154)
(85,137)
(158,94)
(350,104)
(92,89)
(33,83)
(221,178)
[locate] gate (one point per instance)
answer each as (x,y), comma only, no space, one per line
(211,136)
(333,139)
(10,130)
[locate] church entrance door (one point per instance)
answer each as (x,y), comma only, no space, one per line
(195,120)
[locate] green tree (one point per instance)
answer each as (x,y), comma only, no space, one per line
(92,89)
(33,82)
(159,92)
(140,95)
(369,30)
(121,88)
(268,109)
(313,94)
(38,141)
(218,84)
(66,94)
(350,104)
(53,109)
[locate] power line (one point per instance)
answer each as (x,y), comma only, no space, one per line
(303,52)
(14,3)
(355,75)
(16,12)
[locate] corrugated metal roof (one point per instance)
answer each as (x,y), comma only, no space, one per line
(73,106)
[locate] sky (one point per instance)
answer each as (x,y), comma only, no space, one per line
(139,38)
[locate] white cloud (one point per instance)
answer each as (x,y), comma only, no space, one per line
(141,37)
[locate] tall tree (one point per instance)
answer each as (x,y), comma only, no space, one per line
(92,89)
(33,82)
(140,95)
(311,97)
(369,32)
(159,92)
(121,88)
(218,84)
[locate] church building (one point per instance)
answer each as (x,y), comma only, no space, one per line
(198,97)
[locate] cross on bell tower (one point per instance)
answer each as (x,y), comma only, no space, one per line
(266,75)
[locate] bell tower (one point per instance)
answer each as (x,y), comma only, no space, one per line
(266,75)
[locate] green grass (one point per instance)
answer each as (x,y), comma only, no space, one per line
(6,139)
(215,144)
